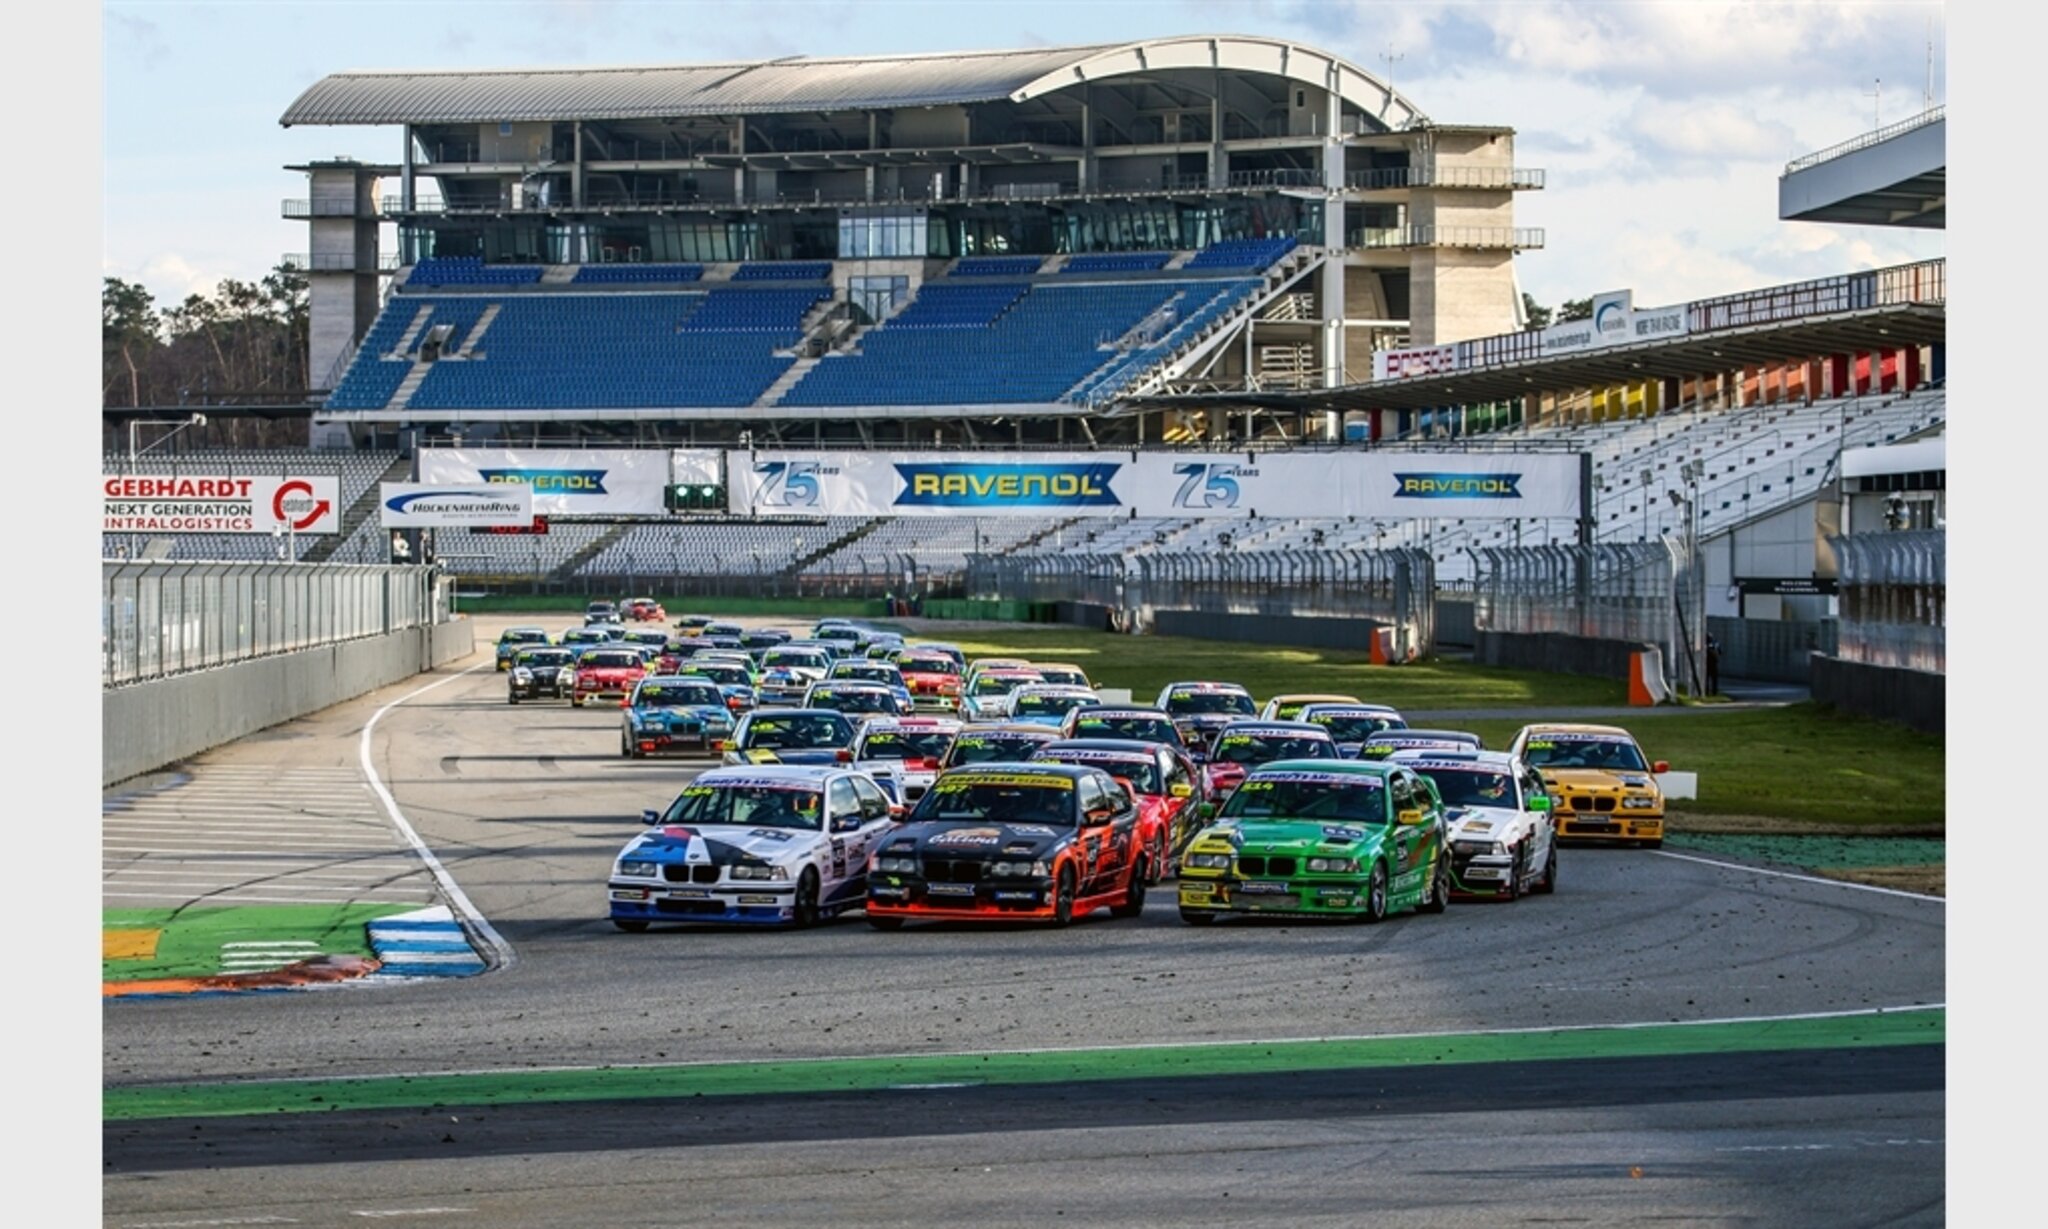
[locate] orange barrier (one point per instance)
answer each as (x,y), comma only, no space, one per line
(1646,679)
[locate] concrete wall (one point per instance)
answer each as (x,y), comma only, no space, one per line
(1555,653)
(1454,628)
(149,725)
(1914,698)
(1302,630)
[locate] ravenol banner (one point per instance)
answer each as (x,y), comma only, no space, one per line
(1157,484)
(220,503)
(425,505)
(564,481)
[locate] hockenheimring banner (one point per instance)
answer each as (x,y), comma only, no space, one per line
(418,505)
(1298,484)
(564,481)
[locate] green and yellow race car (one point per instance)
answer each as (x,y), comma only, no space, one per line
(1330,838)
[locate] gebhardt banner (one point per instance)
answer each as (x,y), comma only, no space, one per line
(220,503)
(425,505)
(564,481)
(1303,484)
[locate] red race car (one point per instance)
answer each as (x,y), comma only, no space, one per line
(644,610)
(933,679)
(1161,779)
(1244,745)
(607,674)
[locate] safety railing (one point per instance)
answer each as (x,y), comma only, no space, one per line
(1628,591)
(1431,176)
(1517,237)
(1894,598)
(160,618)
(1868,139)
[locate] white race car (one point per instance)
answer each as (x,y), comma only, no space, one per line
(775,845)
(1502,837)
(902,754)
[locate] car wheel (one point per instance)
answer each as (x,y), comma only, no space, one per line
(1376,894)
(1197,917)
(1515,872)
(1157,866)
(625,748)
(885,923)
(511,699)
(1656,844)
(628,925)
(575,701)
(1134,894)
(1548,883)
(1063,898)
(807,898)
(1438,897)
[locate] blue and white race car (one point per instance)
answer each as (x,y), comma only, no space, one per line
(1502,834)
(674,713)
(791,736)
(763,845)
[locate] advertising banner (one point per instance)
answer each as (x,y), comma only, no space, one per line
(1298,484)
(426,505)
(225,503)
(564,481)
(1426,361)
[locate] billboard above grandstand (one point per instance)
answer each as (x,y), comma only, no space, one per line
(430,505)
(563,481)
(1614,320)
(1157,484)
(220,503)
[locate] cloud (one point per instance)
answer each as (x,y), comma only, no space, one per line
(142,42)
(1707,130)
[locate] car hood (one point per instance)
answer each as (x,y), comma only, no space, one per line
(1481,823)
(793,755)
(667,713)
(609,673)
(719,844)
(1597,779)
(1306,837)
(978,841)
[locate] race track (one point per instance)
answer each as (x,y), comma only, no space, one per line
(525,806)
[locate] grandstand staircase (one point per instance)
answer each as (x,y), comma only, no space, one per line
(841,542)
(773,394)
(1024,545)
(1280,279)
(591,550)
(353,516)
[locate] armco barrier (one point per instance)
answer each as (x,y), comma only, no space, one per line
(1914,698)
(146,726)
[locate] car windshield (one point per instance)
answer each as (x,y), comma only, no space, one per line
(795,658)
(554,657)
(1347,729)
(1358,800)
(871,674)
(1073,678)
(1608,753)
(1189,701)
(673,695)
(904,745)
(797,733)
(657,639)
(1143,729)
(523,637)
(1265,748)
(839,633)
(584,635)
(720,673)
(989,798)
(927,665)
(988,749)
(853,701)
(754,806)
(1143,774)
(1039,704)
(995,685)
(612,660)
(1475,787)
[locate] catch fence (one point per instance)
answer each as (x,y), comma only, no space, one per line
(1894,598)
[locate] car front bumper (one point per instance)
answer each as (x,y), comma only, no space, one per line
(907,896)
(1610,826)
(1230,894)
(757,905)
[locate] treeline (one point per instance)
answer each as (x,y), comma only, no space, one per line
(243,345)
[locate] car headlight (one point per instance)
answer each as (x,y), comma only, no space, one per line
(1638,802)
(745,871)
(636,868)
(897,866)
(1333,866)
(1017,870)
(1209,861)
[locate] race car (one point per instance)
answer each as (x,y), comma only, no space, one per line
(541,671)
(722,629)
(1288,707)
(734,681)
(1244,745)
(936,646)
(772,845)
(868,670)
(1150,725)
(1158,778)
(513,639)
(787,672)
(902,754)
(644,610)
(761,639)
(600,612)
(1047,704)
(674,713)
(932,677)
(883,647)
(996,744)
(1406,738)
(790,736)
(985,695)
(846,636)
(655,640)
(1498,821)
(693,625)
(857,698)
(1321,837)
(1009,841)
(1200,709)
(606,673)
(581,638)
(1604,787)
(1065,673)
(1352,726)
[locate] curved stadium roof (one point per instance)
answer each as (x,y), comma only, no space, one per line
(804,83)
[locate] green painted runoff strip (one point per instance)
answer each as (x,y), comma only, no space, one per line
(1919,1026)
(191,940)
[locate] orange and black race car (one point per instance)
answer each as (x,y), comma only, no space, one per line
(1013,841)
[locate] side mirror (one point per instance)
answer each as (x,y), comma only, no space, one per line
(1098,817)
(846,823)
(1181,789)
(650,818)
(1539,802)
(1411,818)
(1661,766)
(897,811)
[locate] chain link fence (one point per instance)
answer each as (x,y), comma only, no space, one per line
(160,618)
(1628,591)
(1894,598)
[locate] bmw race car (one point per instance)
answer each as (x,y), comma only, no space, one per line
(1011,841)
(1244,745)
(985,695)
(513,639)
(856,698)
(760,845)
(734,681)
(600,612)
(791,736)
(1048,704)
(693,625)
(1503,839)
(996,744)
(1065,673)
(581,638)
(674,713)
(1199,709)
(932,677)
(1604,787)
(788,672)
(869,670)
(1406,738)
(644,610)
(1159,779)
(1352,726)
(1321,837)
(541,671)
(1288,707)
(607,673)
(1151,725)
(902,754)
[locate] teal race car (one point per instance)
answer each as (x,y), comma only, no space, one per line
(1321,838)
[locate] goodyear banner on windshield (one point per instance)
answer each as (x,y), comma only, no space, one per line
(929,484)
(564,481)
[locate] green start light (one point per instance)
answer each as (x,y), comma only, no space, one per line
(695,497)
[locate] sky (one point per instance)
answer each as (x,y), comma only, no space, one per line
(1662,127)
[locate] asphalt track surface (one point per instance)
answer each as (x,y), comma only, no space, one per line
(523,808)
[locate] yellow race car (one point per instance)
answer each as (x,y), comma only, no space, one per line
(1606,788)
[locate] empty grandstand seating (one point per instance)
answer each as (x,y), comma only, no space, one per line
(636,274)
(1242,253)
(784,271)
(997,266)
(469,271)
(1116,262)
(671,549)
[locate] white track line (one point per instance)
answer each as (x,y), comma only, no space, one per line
(501,951)
(1837,883)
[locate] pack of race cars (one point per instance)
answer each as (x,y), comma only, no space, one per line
(857,771)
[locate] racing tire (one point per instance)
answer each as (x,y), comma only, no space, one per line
(1376,895)
(1133,902)
(575,702)
(1656,844)
(1548,883)
(1156,864)
(1515,872)
(511,699)
(629,925)
(806,909)
(885,923)
(1197,917)
(1063,898)
(1438,897)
